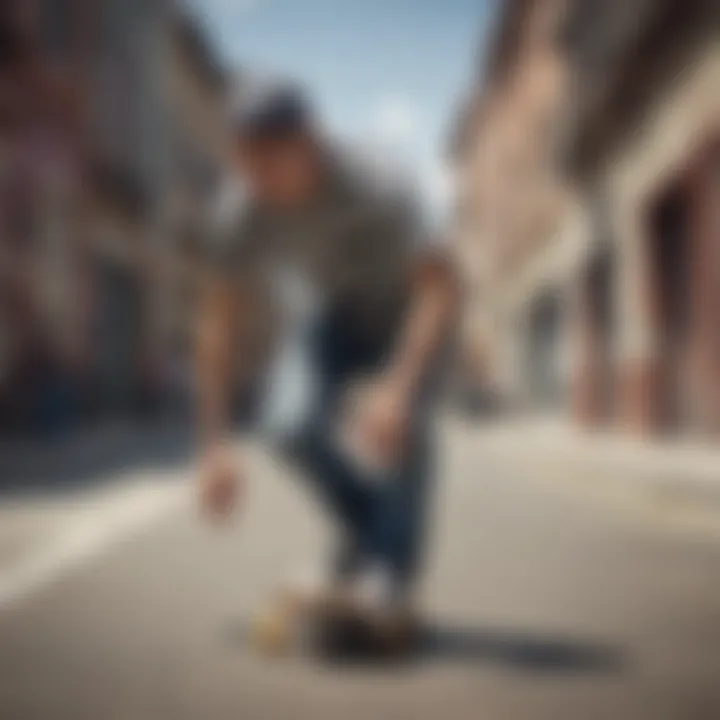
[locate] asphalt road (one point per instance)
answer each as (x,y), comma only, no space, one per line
(541,603)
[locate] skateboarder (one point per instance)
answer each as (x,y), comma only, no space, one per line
(364,302)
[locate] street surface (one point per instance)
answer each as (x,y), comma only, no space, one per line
(546,599)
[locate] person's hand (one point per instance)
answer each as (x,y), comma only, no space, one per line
(221,482)
(381,420)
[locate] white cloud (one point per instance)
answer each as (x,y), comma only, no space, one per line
(395,120)
(396,140)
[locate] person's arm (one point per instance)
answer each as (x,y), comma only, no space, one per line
(386,415)
(215,358)
(220,472)
(432,314)
(224,314)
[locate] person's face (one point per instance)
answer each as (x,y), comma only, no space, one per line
(281,172)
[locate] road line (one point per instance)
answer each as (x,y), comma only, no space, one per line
(126,519)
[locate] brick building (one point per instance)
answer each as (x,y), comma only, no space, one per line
(197,88)
(91,239)
(511,204)
(609,306)
(643,144)
(40,160)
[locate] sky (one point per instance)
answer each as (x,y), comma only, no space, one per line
(385,73)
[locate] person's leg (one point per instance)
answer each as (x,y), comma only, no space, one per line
(337,356)
(381,519)
(397,527)
(346,495)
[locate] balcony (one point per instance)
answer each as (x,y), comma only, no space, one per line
(603,41)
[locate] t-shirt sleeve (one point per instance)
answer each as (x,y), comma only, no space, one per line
(230,236)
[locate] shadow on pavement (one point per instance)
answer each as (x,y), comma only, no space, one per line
(523,651)
(91,457)
(516,650)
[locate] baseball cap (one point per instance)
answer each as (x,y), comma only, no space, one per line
(270,111)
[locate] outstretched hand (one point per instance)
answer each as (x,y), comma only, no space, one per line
(381,420)
(221,483)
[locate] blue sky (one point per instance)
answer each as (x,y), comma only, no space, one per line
(384,71)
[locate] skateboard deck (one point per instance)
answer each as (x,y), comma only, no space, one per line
(332,627)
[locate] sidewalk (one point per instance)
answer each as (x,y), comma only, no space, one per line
(65,499)
(43,537)
(553,445)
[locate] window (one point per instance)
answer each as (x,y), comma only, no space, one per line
(56,27)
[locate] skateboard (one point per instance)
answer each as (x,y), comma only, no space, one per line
(332,627)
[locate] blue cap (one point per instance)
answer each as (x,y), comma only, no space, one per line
(275,111)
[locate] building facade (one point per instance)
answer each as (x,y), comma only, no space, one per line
(93,247)
(511,204)
(197,95)
(40,168)
(608,312)
(642,144)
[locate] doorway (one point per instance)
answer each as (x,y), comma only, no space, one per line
(119,339)
(544,352)
(599,293)
(670,274)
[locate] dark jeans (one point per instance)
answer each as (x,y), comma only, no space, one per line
(381,519)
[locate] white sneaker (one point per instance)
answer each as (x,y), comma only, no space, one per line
(375,587)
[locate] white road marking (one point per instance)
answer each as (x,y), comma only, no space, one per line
(125,517)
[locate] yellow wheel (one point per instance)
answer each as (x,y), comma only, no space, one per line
(272,631)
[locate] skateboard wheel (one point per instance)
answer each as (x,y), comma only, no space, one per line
(271,633)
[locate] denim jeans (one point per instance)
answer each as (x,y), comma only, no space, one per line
(381,520)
